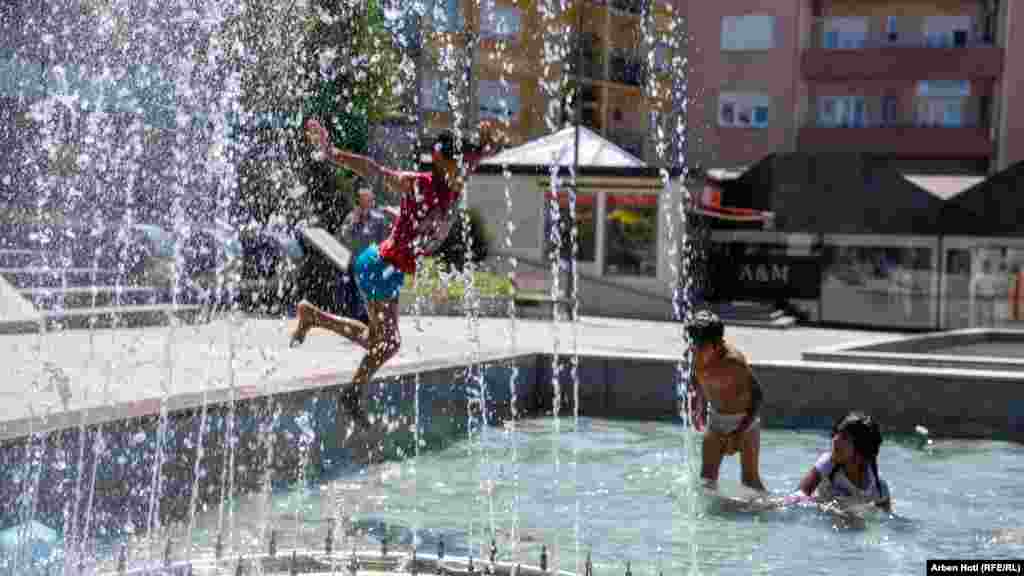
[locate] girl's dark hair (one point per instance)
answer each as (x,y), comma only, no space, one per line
(705,327)
(866,436)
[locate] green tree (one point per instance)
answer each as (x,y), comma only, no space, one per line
(353,50)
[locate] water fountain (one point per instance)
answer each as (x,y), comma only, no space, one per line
(138,470)
(224,426)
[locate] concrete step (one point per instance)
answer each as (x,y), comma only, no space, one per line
(91,297)
(780,322)
(38,277)
(752,314)
(747,310)
(108,317)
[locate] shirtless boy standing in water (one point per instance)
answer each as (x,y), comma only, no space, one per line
(726,382)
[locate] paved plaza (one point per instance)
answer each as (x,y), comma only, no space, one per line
(114,374)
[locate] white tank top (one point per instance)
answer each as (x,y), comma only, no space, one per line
(840,486)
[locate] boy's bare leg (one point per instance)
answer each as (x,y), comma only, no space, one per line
(384,339)
(309,316)
(711,458)
(750,449)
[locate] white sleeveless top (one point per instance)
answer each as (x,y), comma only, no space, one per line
(840,485)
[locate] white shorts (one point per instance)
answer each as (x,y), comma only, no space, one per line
(728,423)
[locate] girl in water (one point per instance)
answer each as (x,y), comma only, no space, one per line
(850,469)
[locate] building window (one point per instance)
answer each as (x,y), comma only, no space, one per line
(845,33)
(749,32)
(940,112)
(841,112)
(499,21)
(631,235)
(434,91)
(947,31)
(740,110)
(944,88)
(890,107)
(892,34)
(496,102)
(942,102)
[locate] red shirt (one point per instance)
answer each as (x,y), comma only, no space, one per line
(425,217)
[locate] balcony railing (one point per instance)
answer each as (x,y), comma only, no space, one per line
(908,33)
(873,53)
(878,112)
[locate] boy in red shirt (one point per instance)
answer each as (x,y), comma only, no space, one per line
(428,207)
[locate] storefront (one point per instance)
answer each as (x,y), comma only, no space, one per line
(623,210)
(619,210)
(875,249)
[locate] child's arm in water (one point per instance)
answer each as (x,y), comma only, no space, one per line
(810,481)
(884,501)
(398,182)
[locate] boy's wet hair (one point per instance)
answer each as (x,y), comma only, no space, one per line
(446,141)
(863,431)
(705,327)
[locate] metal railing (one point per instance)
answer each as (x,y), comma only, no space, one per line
(897,123)
(908,33)
(876,114)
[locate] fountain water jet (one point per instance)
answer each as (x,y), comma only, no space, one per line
(671,147)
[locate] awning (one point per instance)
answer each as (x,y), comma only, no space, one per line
(706,207)
(944,186)
(560,148)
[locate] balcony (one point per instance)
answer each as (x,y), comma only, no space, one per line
(907,53)
(933,130)
(900,141)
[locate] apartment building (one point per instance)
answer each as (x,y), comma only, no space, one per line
(607,44)
(932,85)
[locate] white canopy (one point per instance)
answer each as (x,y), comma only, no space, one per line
(558,148)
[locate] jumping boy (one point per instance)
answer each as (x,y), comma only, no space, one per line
(725,381)
(428,207)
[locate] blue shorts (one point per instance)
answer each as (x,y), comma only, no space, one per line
(377,278)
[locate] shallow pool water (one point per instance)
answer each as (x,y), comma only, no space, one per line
(623,492)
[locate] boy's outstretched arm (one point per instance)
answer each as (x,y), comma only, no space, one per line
(398,182)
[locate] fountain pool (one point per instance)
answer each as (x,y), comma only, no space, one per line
(952,499)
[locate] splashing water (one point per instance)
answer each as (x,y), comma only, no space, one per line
(670,145)
(553,84)
(512,265)
(135,115)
